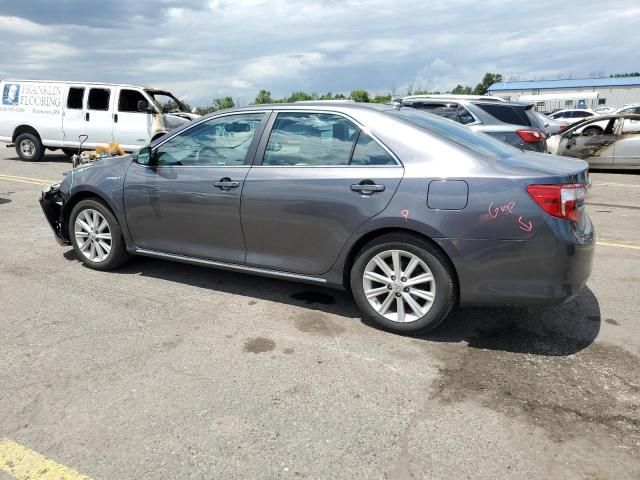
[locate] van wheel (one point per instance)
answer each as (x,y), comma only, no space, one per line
(96,236)
(29,147)
(403,283)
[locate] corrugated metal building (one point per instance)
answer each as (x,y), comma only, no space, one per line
(581,93)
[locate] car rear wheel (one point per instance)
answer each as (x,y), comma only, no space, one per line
(403,283)
(96,236)
(29,147)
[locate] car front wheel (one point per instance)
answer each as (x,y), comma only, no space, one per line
(96,236)
(403,283)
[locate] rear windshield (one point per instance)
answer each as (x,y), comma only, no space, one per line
(465,137)
(513,114)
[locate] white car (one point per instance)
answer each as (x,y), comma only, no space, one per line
(36,115)
(573,115)
(631,108)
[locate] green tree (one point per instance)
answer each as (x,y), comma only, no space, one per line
(326,96)
(622,75)
(339,96)
(488,80)
(381,99)
(299,97)
(461,90)
(264,96)
(222,103)
(360,96)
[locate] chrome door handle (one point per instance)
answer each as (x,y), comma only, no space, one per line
(367,188)
(226,184)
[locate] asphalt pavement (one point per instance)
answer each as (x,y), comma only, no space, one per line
(165,370)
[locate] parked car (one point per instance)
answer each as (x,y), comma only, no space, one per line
(551,125)
(411,212)
(512,123)
(632,108)
(573,115)
(36,115)
(616,147)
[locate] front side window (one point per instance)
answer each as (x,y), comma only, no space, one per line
(310,139)
(222,141)
(128,101)
(75,97)
(99,99)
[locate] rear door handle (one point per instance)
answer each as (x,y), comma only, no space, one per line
(367,188)
(226,183)
(86,116)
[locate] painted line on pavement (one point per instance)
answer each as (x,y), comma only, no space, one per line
(33,181)
(627,185)
(24,464)
(618,245)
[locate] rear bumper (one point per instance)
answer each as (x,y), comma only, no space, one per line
(547,270)
(51,202)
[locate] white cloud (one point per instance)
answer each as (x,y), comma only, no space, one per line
(202,49)
(16,25)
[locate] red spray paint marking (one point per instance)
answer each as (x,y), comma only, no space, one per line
(527,227)
(507,209)
(404,214)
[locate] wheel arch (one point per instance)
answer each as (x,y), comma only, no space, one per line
(356,248)
(24,128)
(76,198)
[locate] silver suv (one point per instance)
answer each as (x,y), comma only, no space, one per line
(513,123)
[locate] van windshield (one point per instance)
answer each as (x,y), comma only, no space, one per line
(166,102)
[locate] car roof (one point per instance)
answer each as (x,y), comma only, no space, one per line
(463,99)
(320,105)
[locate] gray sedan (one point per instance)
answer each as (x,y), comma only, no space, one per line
(411,212)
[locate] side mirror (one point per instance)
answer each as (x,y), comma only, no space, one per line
(144,156)
(143,106)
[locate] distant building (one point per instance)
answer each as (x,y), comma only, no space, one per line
(550,95)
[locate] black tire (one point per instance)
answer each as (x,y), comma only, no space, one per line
(118,254)
(592,131)
(29,147)
(69,152)
(435,260)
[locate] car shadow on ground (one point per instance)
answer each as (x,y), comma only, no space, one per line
(553,331)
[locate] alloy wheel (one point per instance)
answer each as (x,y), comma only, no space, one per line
(399,285)
(93,235)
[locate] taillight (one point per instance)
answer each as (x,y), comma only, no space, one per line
(530,136)
(561,201)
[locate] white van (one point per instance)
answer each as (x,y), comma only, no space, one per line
(36,115)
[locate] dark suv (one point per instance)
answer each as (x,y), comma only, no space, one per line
(513,123)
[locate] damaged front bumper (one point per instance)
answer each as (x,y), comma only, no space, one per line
(52,201)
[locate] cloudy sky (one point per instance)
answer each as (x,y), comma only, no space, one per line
(206,49)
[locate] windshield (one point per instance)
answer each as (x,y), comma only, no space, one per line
(166,102)
(477,142)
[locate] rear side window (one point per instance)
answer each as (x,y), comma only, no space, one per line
(75,97)
(310,139)
(369,152)
(128,101)
(507,113)
(462,136)
(99,99)
(581,114)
